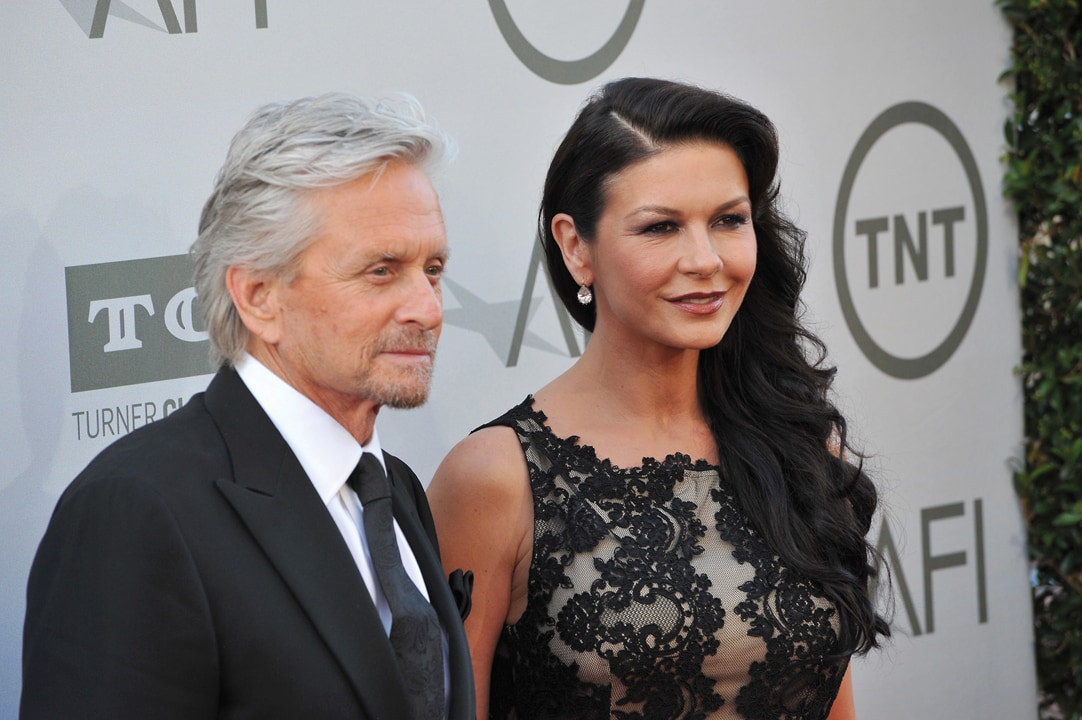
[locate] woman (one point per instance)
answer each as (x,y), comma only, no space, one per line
(667,530)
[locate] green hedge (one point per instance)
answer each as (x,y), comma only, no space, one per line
(1044,180)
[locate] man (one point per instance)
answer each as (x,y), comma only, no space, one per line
(217,563)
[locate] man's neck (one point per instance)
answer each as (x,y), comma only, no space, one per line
(356,415)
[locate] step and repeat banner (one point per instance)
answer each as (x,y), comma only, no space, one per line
(115,115)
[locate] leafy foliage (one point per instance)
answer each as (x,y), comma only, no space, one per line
(1044,180)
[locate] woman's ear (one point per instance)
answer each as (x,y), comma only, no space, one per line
(255,295)
(575,250)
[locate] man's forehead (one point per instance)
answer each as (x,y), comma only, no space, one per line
(402,250)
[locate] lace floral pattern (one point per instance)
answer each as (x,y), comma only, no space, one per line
(651,598)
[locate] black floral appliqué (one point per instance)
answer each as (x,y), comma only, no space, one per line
(625,616)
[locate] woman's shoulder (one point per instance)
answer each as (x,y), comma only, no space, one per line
(517,417)
(489,445)
(481,498)
(487,465)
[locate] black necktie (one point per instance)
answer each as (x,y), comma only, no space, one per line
(415,629)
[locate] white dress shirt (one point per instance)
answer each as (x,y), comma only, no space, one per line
(328,454)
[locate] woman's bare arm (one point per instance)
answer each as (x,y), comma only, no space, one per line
(483,508)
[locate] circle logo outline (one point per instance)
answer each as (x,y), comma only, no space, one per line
(930,116)
(566,72)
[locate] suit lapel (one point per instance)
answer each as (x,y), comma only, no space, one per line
(281,509)
(439,593)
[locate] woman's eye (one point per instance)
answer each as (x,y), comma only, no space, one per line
(660,228)
(733,220)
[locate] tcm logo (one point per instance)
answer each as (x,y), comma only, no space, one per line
(910,240)
(133,322)
(92,15)
(566,72)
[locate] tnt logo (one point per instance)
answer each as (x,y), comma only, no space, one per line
(910,240)
(133,322)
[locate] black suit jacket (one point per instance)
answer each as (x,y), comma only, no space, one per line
(192,571)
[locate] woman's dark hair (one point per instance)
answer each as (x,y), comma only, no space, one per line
(764,387)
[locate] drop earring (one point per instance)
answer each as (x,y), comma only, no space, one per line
(585,295)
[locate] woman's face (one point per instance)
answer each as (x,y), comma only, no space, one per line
(674,249)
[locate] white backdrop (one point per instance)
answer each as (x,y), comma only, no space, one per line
(115,117)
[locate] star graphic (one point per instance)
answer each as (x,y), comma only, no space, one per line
(496,321)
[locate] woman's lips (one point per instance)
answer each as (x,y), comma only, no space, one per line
(699,303)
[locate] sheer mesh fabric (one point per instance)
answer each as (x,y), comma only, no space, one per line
(651,597)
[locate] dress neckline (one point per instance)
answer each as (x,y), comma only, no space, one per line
(588,454)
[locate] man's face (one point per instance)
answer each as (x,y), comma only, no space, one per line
(359,322)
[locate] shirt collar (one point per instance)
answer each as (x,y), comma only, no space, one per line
(325,449)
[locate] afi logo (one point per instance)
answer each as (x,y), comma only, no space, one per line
(93,14)
(910,240)
(133,322)
(951,515)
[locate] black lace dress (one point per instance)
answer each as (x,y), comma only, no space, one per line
(650,597)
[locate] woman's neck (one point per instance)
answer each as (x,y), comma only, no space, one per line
(629,405)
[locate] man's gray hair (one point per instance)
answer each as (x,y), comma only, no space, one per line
(257,216)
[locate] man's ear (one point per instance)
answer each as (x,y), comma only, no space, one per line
(575,250)
(255,295)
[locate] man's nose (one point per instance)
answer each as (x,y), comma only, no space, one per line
(422,303)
